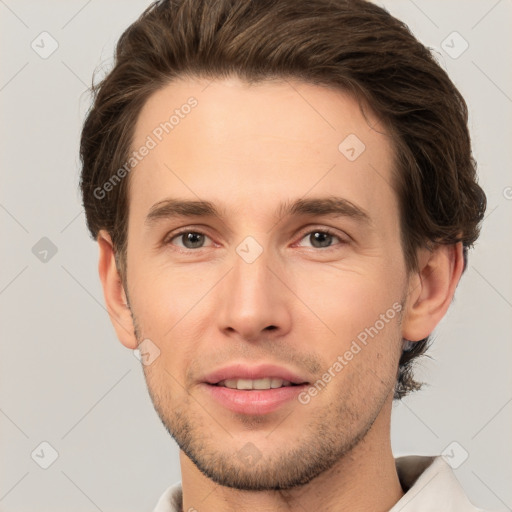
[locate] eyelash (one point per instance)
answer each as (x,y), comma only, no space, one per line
(168,240)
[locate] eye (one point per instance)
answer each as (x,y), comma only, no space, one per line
(189,239)
(320,239)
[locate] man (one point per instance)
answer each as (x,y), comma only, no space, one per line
(283,195)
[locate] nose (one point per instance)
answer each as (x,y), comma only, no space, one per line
(253,301)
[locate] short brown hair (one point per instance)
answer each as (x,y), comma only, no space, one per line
(352,45)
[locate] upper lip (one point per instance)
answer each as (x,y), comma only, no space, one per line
(260,371)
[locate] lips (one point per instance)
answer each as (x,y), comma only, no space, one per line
(253,373)
(257,390)
(253,402)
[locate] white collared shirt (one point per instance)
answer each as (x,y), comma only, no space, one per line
(429,482)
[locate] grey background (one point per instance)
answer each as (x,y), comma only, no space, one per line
(67,381)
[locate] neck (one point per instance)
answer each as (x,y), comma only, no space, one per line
(363,479)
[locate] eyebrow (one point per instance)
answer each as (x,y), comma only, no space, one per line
(329,206)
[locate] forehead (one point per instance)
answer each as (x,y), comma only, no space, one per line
(230,142)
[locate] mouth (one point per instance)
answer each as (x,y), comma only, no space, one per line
(246,377)
(256,384)
(253,389)
(254,397)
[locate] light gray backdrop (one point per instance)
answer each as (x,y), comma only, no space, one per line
(73,400)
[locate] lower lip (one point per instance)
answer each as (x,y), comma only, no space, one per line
(262,401)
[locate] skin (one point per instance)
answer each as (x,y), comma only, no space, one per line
(247,149)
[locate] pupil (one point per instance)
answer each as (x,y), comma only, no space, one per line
(192,240)
(319,239)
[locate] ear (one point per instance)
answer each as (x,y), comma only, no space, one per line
(114,293)
(431,289)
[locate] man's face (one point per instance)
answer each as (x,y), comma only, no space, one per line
(302,290)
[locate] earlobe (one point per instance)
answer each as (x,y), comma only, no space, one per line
(114,293)
(431,290)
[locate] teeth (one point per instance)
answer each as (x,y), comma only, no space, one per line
(277,383)
(266,383)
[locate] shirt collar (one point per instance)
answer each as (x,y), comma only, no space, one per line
(430,485)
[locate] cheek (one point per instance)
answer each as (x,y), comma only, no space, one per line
(361,312)
(169,306)
(163,294)
(346,299)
